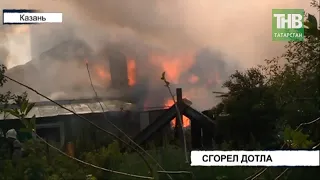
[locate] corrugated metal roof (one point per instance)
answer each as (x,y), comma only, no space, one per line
(49,110)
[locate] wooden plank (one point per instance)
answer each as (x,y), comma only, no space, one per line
(158,124)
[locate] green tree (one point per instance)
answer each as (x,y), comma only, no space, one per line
(250,108)
(296,83)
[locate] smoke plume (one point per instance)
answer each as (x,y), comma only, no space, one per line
(220,35)
(4,53)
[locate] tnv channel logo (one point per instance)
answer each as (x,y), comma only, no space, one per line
(287,24)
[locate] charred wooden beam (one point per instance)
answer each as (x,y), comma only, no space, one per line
(196,135)
(207,132)
(118,69)
(198,122)
(179,125)
(158,124)
(193,114)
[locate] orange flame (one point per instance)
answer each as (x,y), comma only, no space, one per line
(185,120)
(131,69)
(102,73)
(173,65)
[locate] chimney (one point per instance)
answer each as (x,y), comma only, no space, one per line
(118,70)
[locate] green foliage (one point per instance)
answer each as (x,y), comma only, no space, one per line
(90,177)
(108,157)
(296,139)
(251,109)
(315,4)
(43,164)
(312,26)
(20,108)
(40,164)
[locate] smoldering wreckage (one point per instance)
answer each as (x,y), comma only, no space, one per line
(131,96)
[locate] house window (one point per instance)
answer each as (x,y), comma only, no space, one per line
(52,133)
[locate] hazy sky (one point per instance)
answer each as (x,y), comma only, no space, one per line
(240,29)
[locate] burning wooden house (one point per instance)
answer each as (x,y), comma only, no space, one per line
(61,73)
(55,124)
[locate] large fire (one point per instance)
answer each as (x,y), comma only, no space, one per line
(185,120)
(174,66)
